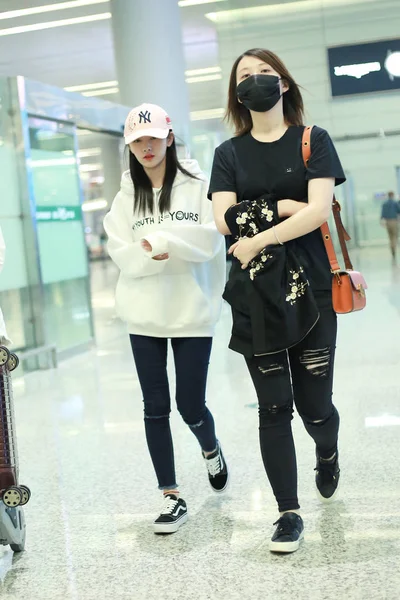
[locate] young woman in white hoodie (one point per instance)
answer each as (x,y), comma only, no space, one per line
(162,236)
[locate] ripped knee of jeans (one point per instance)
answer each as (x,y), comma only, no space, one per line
(272,369)
(275,413)
(318,422)
(155,417)
(195,425)
(317,362)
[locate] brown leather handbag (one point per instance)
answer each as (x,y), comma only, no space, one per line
(348,286)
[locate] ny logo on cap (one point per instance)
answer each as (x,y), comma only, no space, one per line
(144,117)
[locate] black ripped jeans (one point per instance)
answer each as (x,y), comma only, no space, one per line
(304,375)
(192,357)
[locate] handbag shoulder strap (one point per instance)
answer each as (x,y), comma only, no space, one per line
(336,208)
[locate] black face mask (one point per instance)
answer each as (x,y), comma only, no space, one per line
(259,92)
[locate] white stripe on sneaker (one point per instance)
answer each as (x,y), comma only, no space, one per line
(178,510)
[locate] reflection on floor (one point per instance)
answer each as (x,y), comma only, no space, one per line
(82,452)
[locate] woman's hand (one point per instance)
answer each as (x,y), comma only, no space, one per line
(288,208)
(147,247)
(244,250)
(161,257)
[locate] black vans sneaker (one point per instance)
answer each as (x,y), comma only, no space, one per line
(327,478)
(173,514)
(218,474)
(288,534)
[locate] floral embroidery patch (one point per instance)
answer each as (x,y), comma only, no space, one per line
(257,265)
(269,215)
(248,228)
(246,220)
(296,287)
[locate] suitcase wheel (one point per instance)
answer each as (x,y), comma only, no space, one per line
(21,546)
(17,548)
(4,356)
(26,494)
(12,362)
(12,497)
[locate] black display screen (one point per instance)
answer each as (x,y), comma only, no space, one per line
(365,68)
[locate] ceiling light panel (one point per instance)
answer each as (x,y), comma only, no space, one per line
(53,24)
(201,138)
(207,71)
(271,10)
(53,162)
(83,132)
(203,78)
(101,92)
(184,3)
(91,86)
(93,205)
(89,152)
(88,168)
(204,115)
(26,12)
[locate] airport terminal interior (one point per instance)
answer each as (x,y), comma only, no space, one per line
(70,71)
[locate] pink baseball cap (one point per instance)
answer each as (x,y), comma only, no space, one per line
(146,120)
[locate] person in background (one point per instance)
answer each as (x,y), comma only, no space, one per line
(265,158)
(4,340)
(162,236)
(103,243)
(390,217)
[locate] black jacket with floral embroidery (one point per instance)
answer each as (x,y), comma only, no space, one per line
(273,307)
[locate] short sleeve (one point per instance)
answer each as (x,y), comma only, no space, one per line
(223,178)
(324,160)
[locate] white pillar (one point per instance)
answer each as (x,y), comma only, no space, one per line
(149,57)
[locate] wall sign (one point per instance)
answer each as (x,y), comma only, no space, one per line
(365,68)
(58,213)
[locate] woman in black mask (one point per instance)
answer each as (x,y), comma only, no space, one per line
(264,195)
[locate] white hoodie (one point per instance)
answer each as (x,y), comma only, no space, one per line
(4,341)
(180,296)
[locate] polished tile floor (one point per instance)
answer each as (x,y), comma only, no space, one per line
(82,452)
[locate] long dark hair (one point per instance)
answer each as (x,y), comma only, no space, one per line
(144,198)
(293,106)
